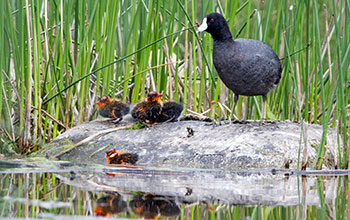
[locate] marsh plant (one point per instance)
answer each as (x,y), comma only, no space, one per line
(59,57)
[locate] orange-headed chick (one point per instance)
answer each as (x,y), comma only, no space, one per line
(144,206)
(111,108)
(149,110)
(110,205)
(114,156)
(170,112)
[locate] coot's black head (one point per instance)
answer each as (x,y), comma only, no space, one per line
(215,24)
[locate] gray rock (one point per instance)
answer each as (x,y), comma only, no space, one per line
(228,146)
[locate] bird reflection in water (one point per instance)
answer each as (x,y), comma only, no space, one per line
(151,206)
(147,206)
(110,205)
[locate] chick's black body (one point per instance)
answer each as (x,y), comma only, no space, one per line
(146,112)
(111,108)
(153,206)
(110,205)
(117,157)
(115,110)
(170,112)
(246,66)
(149,110)
(125,158)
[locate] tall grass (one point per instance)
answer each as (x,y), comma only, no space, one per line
(58,57)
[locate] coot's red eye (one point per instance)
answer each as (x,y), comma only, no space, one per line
(211,20)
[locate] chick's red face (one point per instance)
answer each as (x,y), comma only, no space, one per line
(103,101)
(112,153)
(99,211)
(153,96)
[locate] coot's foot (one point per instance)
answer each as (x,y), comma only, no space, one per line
(261,122)
(228,122)
(190,117)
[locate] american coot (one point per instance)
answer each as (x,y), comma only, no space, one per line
(111,108)
(248,67)
(149,110)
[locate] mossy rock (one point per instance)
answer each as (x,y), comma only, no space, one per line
(197,144)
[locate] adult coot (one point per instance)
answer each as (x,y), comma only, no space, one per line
(246,66)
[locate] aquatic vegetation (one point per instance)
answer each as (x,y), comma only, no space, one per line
(59,58)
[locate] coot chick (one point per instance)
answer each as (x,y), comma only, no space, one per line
(170,112)
(112,108)
(144,206)
(149,110)
(247,67)
(114,156)
(110,205)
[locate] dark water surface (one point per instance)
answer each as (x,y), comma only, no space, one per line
(57,190)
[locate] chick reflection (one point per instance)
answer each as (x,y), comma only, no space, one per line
(110,205)
(151,207)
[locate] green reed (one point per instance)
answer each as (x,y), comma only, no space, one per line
(60,57)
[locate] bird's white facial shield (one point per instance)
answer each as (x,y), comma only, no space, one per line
(203,26)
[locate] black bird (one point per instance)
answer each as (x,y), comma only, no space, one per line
(247,67)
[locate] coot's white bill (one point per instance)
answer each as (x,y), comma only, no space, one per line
(203,26)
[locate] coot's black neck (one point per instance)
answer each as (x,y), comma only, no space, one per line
(221,34)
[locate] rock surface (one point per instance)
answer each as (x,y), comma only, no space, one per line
(198,144)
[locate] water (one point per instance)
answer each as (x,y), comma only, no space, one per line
(55,190)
